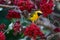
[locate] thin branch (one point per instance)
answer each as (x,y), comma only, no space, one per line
(41,22)
(9,6)
(56,14)
(16,8)
(52,35)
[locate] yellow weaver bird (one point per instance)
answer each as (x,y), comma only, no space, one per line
(34,16)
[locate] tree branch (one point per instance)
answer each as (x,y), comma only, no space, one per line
(52,35)
(8,6)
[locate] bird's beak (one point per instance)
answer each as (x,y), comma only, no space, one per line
(41,12)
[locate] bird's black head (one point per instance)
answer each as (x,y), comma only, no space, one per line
(39,14)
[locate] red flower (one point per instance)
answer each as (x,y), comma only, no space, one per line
(43,2)
(33,31)
(2,36)
(46,7)
(12,14)
(57,29)
(24,5)
(2,1)
(16,27)
(2,26)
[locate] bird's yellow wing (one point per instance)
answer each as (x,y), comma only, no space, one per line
(34,17)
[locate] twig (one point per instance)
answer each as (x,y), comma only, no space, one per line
(16,8)
(9,6)
(41,22)
(56,14)
(52,35)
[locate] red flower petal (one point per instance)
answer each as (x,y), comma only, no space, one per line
(2,1)
(33,31)
(2,26)
(2,36)
(46,8)
(16,27)
(25,5)
(12,14)
(57,29)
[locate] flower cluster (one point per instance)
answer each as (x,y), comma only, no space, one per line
(17,26)
(33,31)
(2,26)
(2,1)
(24,5)
(12,14)
(2,36)
(46,7)
(57,30)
